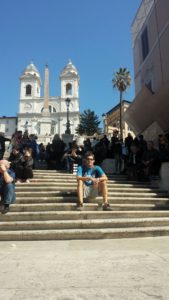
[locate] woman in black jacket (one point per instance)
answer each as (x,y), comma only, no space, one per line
(16,161)
(25,166)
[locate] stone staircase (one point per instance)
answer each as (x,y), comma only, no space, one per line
(45,209)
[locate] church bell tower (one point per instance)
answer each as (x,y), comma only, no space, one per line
(69,81)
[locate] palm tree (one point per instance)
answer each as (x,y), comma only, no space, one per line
(121,81)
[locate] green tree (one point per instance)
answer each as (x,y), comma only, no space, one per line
(121,81)
(89,123)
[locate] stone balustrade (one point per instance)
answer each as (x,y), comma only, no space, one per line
(164,176)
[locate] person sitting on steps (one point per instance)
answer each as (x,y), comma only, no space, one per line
(7,186)
(15,158)
(92,181)
(24,170)
(70,158)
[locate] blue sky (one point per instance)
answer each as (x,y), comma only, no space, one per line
(94,34)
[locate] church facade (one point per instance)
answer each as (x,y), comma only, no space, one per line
(48,116)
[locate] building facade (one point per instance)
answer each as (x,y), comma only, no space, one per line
(8,125)
(148,114)
(112,120)
(47,116)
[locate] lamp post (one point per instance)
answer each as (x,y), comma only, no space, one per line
(104,119)
(67,131)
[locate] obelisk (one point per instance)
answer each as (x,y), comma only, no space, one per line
(46,111)
(46,122)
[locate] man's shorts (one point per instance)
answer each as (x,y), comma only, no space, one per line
(90,191)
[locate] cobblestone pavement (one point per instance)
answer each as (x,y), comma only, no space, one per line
(134,269)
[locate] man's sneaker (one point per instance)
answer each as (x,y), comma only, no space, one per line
(79,207)
(5,209)
(107,207)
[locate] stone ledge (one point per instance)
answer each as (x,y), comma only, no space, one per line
(164,176)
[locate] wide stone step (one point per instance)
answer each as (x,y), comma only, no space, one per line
(64,234)
(40,179)
(53,173)
(47,199)
(57,183)
(87,207)
(48,171)
(69,186)
(67,175)
(72,192)
(50,207)
(71,175)
(54,178)
(81,224)
(75,215)
(49,193)
(69,198)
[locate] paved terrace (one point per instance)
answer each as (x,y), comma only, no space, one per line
(125,269)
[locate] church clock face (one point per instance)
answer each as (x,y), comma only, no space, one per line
(28,107)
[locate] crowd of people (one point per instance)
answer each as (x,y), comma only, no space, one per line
(135,157)
(18,167)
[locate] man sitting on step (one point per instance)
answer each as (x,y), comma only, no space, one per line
(7,186)
(92,181)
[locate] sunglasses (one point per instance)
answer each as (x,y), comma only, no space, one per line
(89,159)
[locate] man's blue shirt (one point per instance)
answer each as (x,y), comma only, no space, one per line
(95,172)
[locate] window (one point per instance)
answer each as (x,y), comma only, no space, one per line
(28,90)
(51,109)
(144,43)
(68,89)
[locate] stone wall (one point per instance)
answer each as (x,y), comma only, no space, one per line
(164,176)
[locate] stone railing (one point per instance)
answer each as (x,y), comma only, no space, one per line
(164,176)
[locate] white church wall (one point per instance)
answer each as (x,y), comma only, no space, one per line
(76,89)
(30,107)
